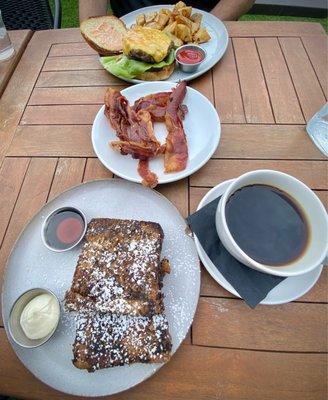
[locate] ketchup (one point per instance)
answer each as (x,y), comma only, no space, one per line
(190,56)
(64,229)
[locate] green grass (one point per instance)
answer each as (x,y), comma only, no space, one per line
(70,16)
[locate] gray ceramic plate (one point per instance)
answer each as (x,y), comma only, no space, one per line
(31,264)
(215,48)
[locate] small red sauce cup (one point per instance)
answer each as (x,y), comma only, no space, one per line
(64,229)
(192,64)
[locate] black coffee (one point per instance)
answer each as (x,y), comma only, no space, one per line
(267,224)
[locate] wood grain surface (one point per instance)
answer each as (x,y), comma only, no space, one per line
(19,40)
(269,83)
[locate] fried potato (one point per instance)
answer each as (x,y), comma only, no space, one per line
(180,19)
(194,27)
(197,17)
(171,28)
(141,20)
(165,11)
(150,17)
(153,25)
(176,41)
(183,32)
(179,4)
(201,36)
(161,20)
(185,11)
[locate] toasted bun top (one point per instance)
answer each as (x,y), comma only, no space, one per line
(104,34)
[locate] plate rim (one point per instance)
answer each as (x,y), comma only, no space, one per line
(6,267)
(231,289)
(187,172)
(199,72)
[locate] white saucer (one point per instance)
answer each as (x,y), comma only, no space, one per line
(288,290)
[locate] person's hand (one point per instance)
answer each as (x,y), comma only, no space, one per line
(92,8)
(231,10)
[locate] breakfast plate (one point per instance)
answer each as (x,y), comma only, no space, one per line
(32,265)
(201,125)
(288,290)
(215,47)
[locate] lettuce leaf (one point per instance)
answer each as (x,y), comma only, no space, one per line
(124,67)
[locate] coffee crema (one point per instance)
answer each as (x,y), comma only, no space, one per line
(267,224)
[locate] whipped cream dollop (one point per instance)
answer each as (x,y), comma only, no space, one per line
(40,316)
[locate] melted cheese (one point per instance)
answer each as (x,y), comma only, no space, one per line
(150,41)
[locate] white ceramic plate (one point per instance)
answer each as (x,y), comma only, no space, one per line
(215,48)
(288,290)
(32,265)
(201,124)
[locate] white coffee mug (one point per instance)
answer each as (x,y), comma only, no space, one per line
(317,247)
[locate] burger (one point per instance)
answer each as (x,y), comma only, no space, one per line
(148,55)
(138,53)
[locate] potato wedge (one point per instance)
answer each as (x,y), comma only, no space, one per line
(161,20)
(194,27)
(180,19)
(141,20)
(165,11)
(178,5)
(171,28)
(153,25)
(183,32)
(185,11)
(201,36)
(176,41)
(197,17)
(150,17)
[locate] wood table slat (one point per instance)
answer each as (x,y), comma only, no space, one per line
(266,141)
(273,28)
(70,95)
(200,373)
(317,49)
(95,170)
(290,327)
(43,140)
(254,92)
(284,101)
(306,83)
(72,63)
(77,78)
(75,114)
(69,172)
(228,99)
(33,194)
(312,173)
(71,49)
(19,40)
(12,173)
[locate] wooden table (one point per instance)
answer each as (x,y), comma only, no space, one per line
(19,39)
(271,80)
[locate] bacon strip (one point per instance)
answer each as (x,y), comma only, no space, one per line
(148,178)
(176,152)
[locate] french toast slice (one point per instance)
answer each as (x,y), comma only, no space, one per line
(119,269)
(110,340)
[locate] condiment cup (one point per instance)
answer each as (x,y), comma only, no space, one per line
(15,329)
(46,222)
(189,67)
(317,247)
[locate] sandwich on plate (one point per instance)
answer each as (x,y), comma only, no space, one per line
(138,53)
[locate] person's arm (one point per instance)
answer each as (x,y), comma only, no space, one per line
(92,8)
(231,10)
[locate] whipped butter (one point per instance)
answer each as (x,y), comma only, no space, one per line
(40,316)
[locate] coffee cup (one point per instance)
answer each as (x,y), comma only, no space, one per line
(316,248)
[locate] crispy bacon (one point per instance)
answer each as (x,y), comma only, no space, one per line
(134,128)
(176,151)
(148,178)
(156,105)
